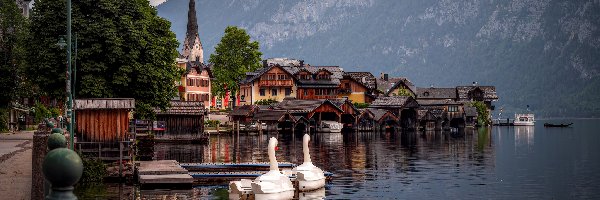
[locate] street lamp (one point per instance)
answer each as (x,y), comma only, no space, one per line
(70,82)
(61,43)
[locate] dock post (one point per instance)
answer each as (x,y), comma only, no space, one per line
(120,160)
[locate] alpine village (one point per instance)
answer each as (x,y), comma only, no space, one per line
(277,97)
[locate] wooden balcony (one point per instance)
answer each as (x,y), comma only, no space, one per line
(262,83)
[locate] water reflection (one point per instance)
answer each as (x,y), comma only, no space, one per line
(524,136)
(474,163)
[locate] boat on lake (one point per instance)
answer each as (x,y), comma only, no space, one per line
(331,127)
(524,120)
(557,125)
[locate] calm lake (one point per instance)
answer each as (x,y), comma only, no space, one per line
(493,163)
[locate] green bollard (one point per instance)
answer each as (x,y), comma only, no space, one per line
(63,168)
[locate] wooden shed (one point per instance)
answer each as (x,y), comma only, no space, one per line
(183,118)
(102,120)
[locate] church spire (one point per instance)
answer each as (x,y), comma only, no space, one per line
(192,47)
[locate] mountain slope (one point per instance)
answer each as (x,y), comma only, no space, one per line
(537,52)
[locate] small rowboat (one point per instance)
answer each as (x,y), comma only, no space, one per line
(557,125)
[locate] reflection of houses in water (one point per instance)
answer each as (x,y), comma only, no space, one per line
(524,135)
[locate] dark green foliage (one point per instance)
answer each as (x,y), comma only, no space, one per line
(40,112)
(94,171)
(361,105)
(265,102)
(13,35)
(212,123)
(124,51)
(482,113)
(233,57)
(3,119)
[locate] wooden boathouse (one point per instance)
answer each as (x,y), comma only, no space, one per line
(102,127)
(182,118)
(404,107)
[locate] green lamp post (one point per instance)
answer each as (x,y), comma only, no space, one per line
(70,113)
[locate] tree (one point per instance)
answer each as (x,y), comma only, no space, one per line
(124,50)
(13,34)
(233,57)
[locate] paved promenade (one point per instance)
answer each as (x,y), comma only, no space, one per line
(15,165)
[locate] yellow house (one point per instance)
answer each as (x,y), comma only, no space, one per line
(358,87)
(272,82)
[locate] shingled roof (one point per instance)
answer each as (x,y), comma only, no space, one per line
(436,93)
(394,102)
(365,78)
(251,76)
(301,105)
(336,74)
(270,115)
(183,108)
(489,92)
(245,110)
(437,102)
(401,81)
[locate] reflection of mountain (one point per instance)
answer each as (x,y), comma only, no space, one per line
(524,47)
(524,136)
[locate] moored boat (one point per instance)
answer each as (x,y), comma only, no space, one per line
(557,125)
(524,120)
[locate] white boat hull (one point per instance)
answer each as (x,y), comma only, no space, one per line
(524,123)
(311,185)
(280,195)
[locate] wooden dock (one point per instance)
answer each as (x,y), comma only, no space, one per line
(163,174)
(232,167)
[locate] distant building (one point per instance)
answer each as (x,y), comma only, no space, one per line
(273,82)
(358,87)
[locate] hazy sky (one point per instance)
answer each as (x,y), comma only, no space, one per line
(156,2)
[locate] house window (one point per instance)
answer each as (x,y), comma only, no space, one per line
(273,92)
(288,91)
(452,108)
(282,77)
(197,82)
(261,92)
(426,94)
(305,93)
(318,92)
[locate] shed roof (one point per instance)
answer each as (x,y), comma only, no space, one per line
(436,93)
(183,108)
(402,81)
(437,102)
(302,105)
(104,103)
(270,115)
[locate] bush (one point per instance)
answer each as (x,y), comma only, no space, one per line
(265,102)
(361,105)
(3,119)
(94,171)
(212,123)
(482,113)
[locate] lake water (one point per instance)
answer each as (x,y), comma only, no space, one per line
(493,163)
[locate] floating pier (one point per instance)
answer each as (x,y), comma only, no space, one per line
(173,175)
(163,174)
(230,167)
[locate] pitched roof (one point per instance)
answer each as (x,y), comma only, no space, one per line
(270,115)
(489,92)
(379,113)
(245,110)
(392,102)
(336,74)
(384,85)
(301,105)
(402,81)
(436,93)
(437,102)
(251,76)
(365,78)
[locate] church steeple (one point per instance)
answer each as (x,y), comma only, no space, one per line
(192,47)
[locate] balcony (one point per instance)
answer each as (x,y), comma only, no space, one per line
(267,83)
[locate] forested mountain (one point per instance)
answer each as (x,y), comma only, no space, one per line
(541,53)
